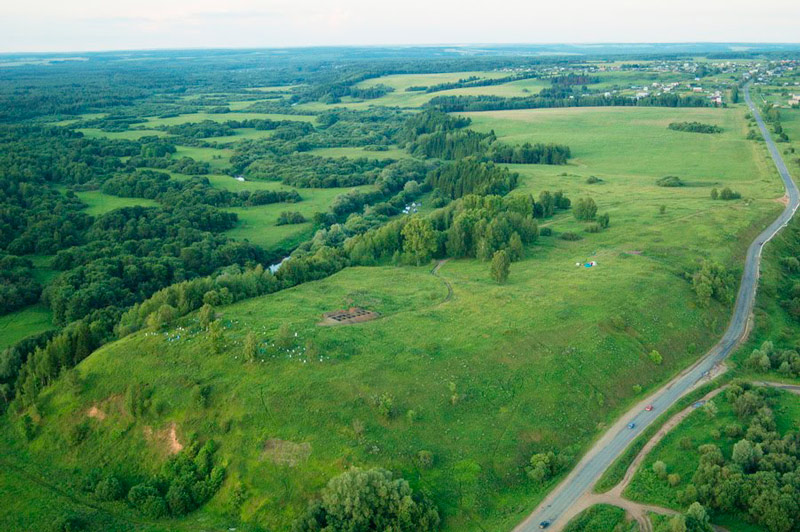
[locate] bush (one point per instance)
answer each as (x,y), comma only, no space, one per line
(288,218)
(656,357)
(425,459)
(660,469)
(585,209)
(670,181)
(542,467)
(109,489)
(68,523)
(728,194)
(570,236)
(545,231)
(695,127)
(500,266)
(385,405)
(592,179)
(77,433)
(593,228)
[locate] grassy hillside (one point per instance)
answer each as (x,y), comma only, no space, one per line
(481,379)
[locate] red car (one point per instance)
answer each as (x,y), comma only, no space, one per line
(649,408)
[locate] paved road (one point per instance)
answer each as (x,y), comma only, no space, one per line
(555,508)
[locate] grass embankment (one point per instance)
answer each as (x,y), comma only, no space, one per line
(601,518)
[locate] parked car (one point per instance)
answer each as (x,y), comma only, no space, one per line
(649,408)
(631,425)
(544,524)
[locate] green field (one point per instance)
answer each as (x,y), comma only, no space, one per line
(25,322)
(601,518)
(257,224)
(130,134)
(392,153)
(218,158)
(99,203)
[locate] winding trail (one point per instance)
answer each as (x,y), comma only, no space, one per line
(435,273)
(556,507)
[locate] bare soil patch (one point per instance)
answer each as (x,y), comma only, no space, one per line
(110,406)
(96,413)
(348,316)
(166,438)
(284,452)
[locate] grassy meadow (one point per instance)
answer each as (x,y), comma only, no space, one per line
(25,322)
(258,224)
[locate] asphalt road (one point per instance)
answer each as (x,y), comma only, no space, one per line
(582,479)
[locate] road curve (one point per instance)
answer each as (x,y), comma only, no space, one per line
(555,507)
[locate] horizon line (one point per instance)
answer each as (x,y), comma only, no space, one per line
(401,45)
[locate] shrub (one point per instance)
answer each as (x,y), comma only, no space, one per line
(584,209)
(592,179)
(77,433)
(656,357)
(670,181)
(385,405)
(545,231)
(425,459)
(728,194)
(542,467)
(288,218)
(500,267)
(68,523)
(109,489)
(695,127)
(674,479)
(570,236)
(593,228)
(660,469)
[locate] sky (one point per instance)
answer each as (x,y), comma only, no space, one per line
(92,25)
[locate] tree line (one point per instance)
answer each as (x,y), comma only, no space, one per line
(694,127)
(461,104)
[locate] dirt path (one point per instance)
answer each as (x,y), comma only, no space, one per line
(435,273)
